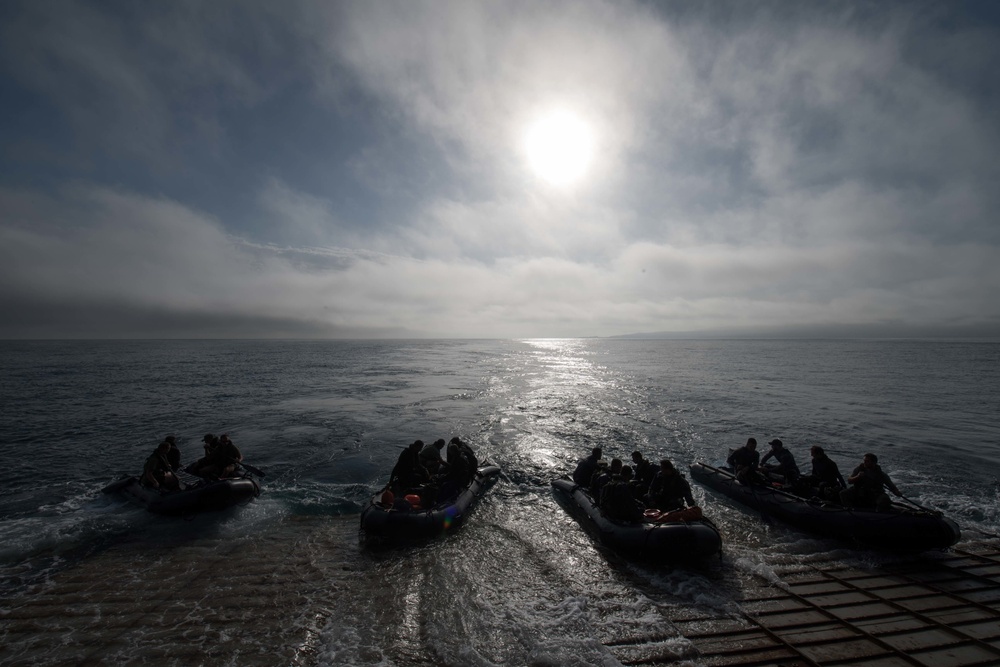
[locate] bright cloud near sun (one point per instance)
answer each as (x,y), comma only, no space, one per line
(559,147)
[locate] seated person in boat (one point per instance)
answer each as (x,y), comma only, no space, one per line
(825,480)
(156,473)
(603,476)
(467,455)
(644,470)
(784,470)
(430,457)
(744,462)
(408,473)
(868,484)
(173,454)
(669,490)
(453,475)
(459,468)
(220,460)
(209,442)
(586,467)
(617,501)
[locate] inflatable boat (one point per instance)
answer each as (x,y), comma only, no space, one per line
(196,494)
(384,521)
(901,528)
(670,541)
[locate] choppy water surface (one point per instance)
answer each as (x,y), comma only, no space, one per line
(521,583)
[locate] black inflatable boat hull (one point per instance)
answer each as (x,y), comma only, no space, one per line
(672,542)
(389,524)
(900,529)
(204,497)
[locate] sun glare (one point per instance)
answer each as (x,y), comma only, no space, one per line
(559,147)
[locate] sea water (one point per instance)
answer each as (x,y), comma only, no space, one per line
(520,583)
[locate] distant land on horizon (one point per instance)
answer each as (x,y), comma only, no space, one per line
(88,321)
(840,332)
(846,331)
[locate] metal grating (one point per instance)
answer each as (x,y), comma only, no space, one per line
(932,613)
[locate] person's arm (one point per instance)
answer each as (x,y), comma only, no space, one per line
(655,486)
(890,485)
(148,476)
(394,475)
(687,494)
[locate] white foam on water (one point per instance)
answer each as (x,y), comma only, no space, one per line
(558,633)
(343,646)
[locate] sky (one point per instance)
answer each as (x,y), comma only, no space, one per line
(508,169)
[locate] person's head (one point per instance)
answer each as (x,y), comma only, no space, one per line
(817,451)
(667,467)
(596,452)
(616,466)
(171,439)
(870,460)
(626,473)
(456,440)
(224,438)
(163,447)
(209,440)
(751,443)
(637,456)
(439,443)
(776,444)
(417,445)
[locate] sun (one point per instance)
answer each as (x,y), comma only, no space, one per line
(559,147)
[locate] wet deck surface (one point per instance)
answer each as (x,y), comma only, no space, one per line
(266,603)
(205,602)
(940,613)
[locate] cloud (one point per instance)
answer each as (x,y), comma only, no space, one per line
(475,74)
(297,217)
(172,267)
(144,84)
(356,169)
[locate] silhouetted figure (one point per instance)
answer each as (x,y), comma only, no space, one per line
(617,501)
(785,469)
(156,473)
(868,484)
(669,490)
(408,473)
(825,477)
(644,470)
(585,468)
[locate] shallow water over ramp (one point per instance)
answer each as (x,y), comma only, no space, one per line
(247,601)
(504,590)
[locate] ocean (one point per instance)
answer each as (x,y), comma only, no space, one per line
(288,580)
